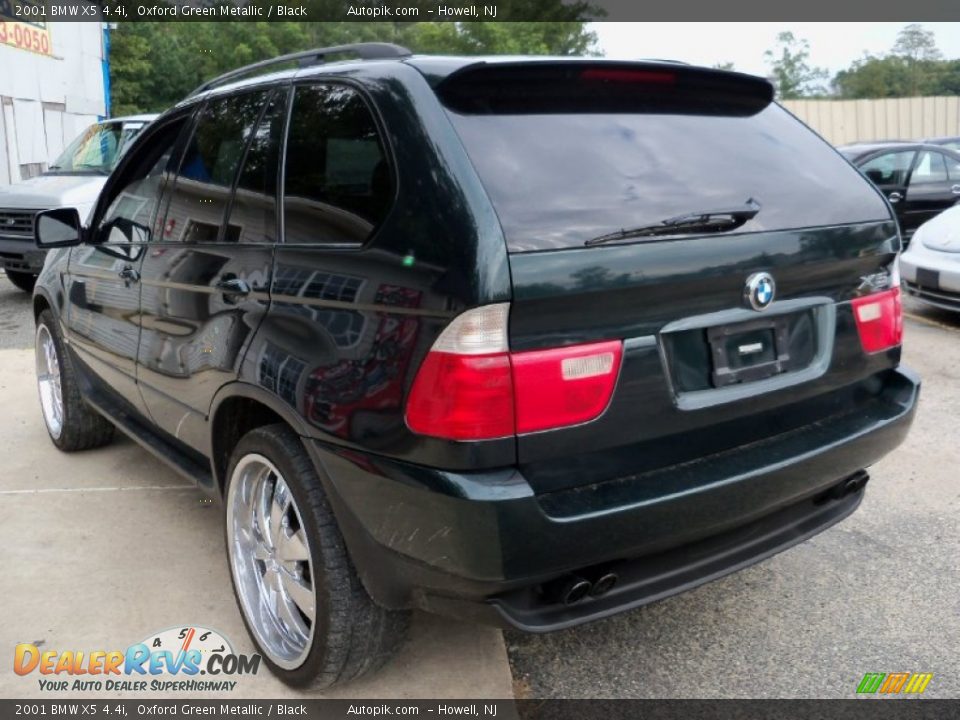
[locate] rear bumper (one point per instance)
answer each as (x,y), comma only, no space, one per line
(481,545)
(649,578)
(21,255)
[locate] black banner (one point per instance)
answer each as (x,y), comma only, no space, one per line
(473,10)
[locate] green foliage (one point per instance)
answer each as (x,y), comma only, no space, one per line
(948,78)
(792,74)
(874,77)
(155,64)
(130,70)
(914,67)
(916,44)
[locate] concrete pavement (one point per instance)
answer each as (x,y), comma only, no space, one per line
(16,326)
(106,547)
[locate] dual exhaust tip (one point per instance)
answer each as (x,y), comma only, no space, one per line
(572,589)
(855,483)
(848,486)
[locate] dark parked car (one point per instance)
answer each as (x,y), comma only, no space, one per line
(920,180)
(522,341)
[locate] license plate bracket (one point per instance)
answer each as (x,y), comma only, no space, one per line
(749,351)
(928,279)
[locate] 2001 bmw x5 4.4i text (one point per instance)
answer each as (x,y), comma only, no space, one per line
(523,341)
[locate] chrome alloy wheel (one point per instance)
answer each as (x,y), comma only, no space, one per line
(49,382)
(270,561)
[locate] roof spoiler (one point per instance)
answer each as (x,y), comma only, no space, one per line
(579,86)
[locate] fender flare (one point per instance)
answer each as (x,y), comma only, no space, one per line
(240,388)
(246,390)
(41,293)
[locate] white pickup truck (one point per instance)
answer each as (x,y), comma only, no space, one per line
(74,179)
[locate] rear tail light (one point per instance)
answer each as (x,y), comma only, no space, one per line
(564,386)
(464,389)
(471,387)
(879,320)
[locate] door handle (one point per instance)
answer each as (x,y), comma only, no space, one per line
(955,189)
(894,197)
(233,286)
(129,275)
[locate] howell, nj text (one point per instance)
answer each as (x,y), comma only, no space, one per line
(445,12)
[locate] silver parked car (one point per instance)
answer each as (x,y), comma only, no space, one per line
(74,179)
(930,267)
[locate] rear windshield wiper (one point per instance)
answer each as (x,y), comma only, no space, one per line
(719,220)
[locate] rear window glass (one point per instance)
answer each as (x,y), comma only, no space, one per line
(559,176)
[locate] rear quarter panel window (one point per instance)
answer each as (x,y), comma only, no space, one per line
(338,184)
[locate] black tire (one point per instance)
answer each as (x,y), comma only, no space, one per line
(83,428)
(352,635)
(22,280)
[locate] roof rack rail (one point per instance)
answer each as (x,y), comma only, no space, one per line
(305,58)
(664,60)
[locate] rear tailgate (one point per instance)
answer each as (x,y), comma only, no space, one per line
(569,152)
(663,299)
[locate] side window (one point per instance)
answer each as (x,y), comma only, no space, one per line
(130,215)
(198,203)
(953,169)
(930,169)
(338,185)
(253,214)
(889,169)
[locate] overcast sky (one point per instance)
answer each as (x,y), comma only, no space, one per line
(832,45)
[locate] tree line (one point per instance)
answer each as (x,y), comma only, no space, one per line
(913,67)
(155,64)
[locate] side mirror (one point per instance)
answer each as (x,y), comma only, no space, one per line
(57,228)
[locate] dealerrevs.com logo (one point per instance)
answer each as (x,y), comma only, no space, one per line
(186,659)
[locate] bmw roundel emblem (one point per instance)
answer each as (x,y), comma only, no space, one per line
(760,290)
